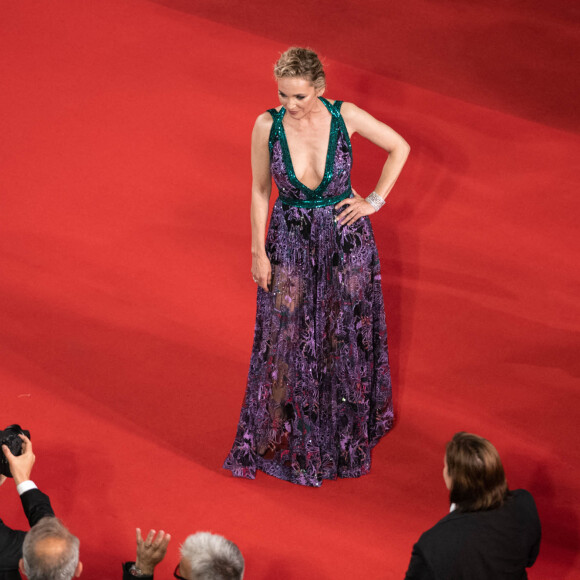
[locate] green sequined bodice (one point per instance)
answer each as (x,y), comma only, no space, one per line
(335,184)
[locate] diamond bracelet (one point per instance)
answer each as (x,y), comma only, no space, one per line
(375,200)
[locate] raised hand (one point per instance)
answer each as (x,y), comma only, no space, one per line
(151,550)
(21,465)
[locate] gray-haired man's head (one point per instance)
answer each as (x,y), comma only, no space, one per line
(206,556)
(50,552)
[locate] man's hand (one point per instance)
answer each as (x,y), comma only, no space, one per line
(21,466)
(151,550)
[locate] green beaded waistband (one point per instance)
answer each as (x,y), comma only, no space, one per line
(315,202)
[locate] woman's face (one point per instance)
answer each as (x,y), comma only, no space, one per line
(446,477)
(298,96)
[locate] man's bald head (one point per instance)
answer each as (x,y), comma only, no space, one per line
(50,552)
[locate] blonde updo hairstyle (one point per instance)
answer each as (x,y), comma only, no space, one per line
(301,63)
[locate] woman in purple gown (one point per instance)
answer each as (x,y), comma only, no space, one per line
(318,396)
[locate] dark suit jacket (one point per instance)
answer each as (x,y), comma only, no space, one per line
(487,545)
(128,576)
(36,506)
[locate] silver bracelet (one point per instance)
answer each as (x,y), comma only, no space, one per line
(375,200)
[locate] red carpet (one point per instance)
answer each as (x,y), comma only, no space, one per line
(127,305)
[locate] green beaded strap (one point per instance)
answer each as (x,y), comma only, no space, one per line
(318,202)
(337,106)
(275,129)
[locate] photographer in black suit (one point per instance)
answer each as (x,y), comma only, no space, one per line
(35,503)
(491,533)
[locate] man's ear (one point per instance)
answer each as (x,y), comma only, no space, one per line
(21,565)
(79,569)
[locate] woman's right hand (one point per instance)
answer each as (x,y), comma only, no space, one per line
(262,271)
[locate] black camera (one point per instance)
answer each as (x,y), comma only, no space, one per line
(9,437)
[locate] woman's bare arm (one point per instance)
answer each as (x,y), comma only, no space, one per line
(359,121)
(261,190)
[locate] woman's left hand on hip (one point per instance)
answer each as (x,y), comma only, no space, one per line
(353,209)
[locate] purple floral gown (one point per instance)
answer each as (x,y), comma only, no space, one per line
(318,396)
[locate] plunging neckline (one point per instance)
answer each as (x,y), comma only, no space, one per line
(329,163)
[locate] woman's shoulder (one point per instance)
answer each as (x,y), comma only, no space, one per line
(349,110)
(338,103)
(268,114)
(263,122)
